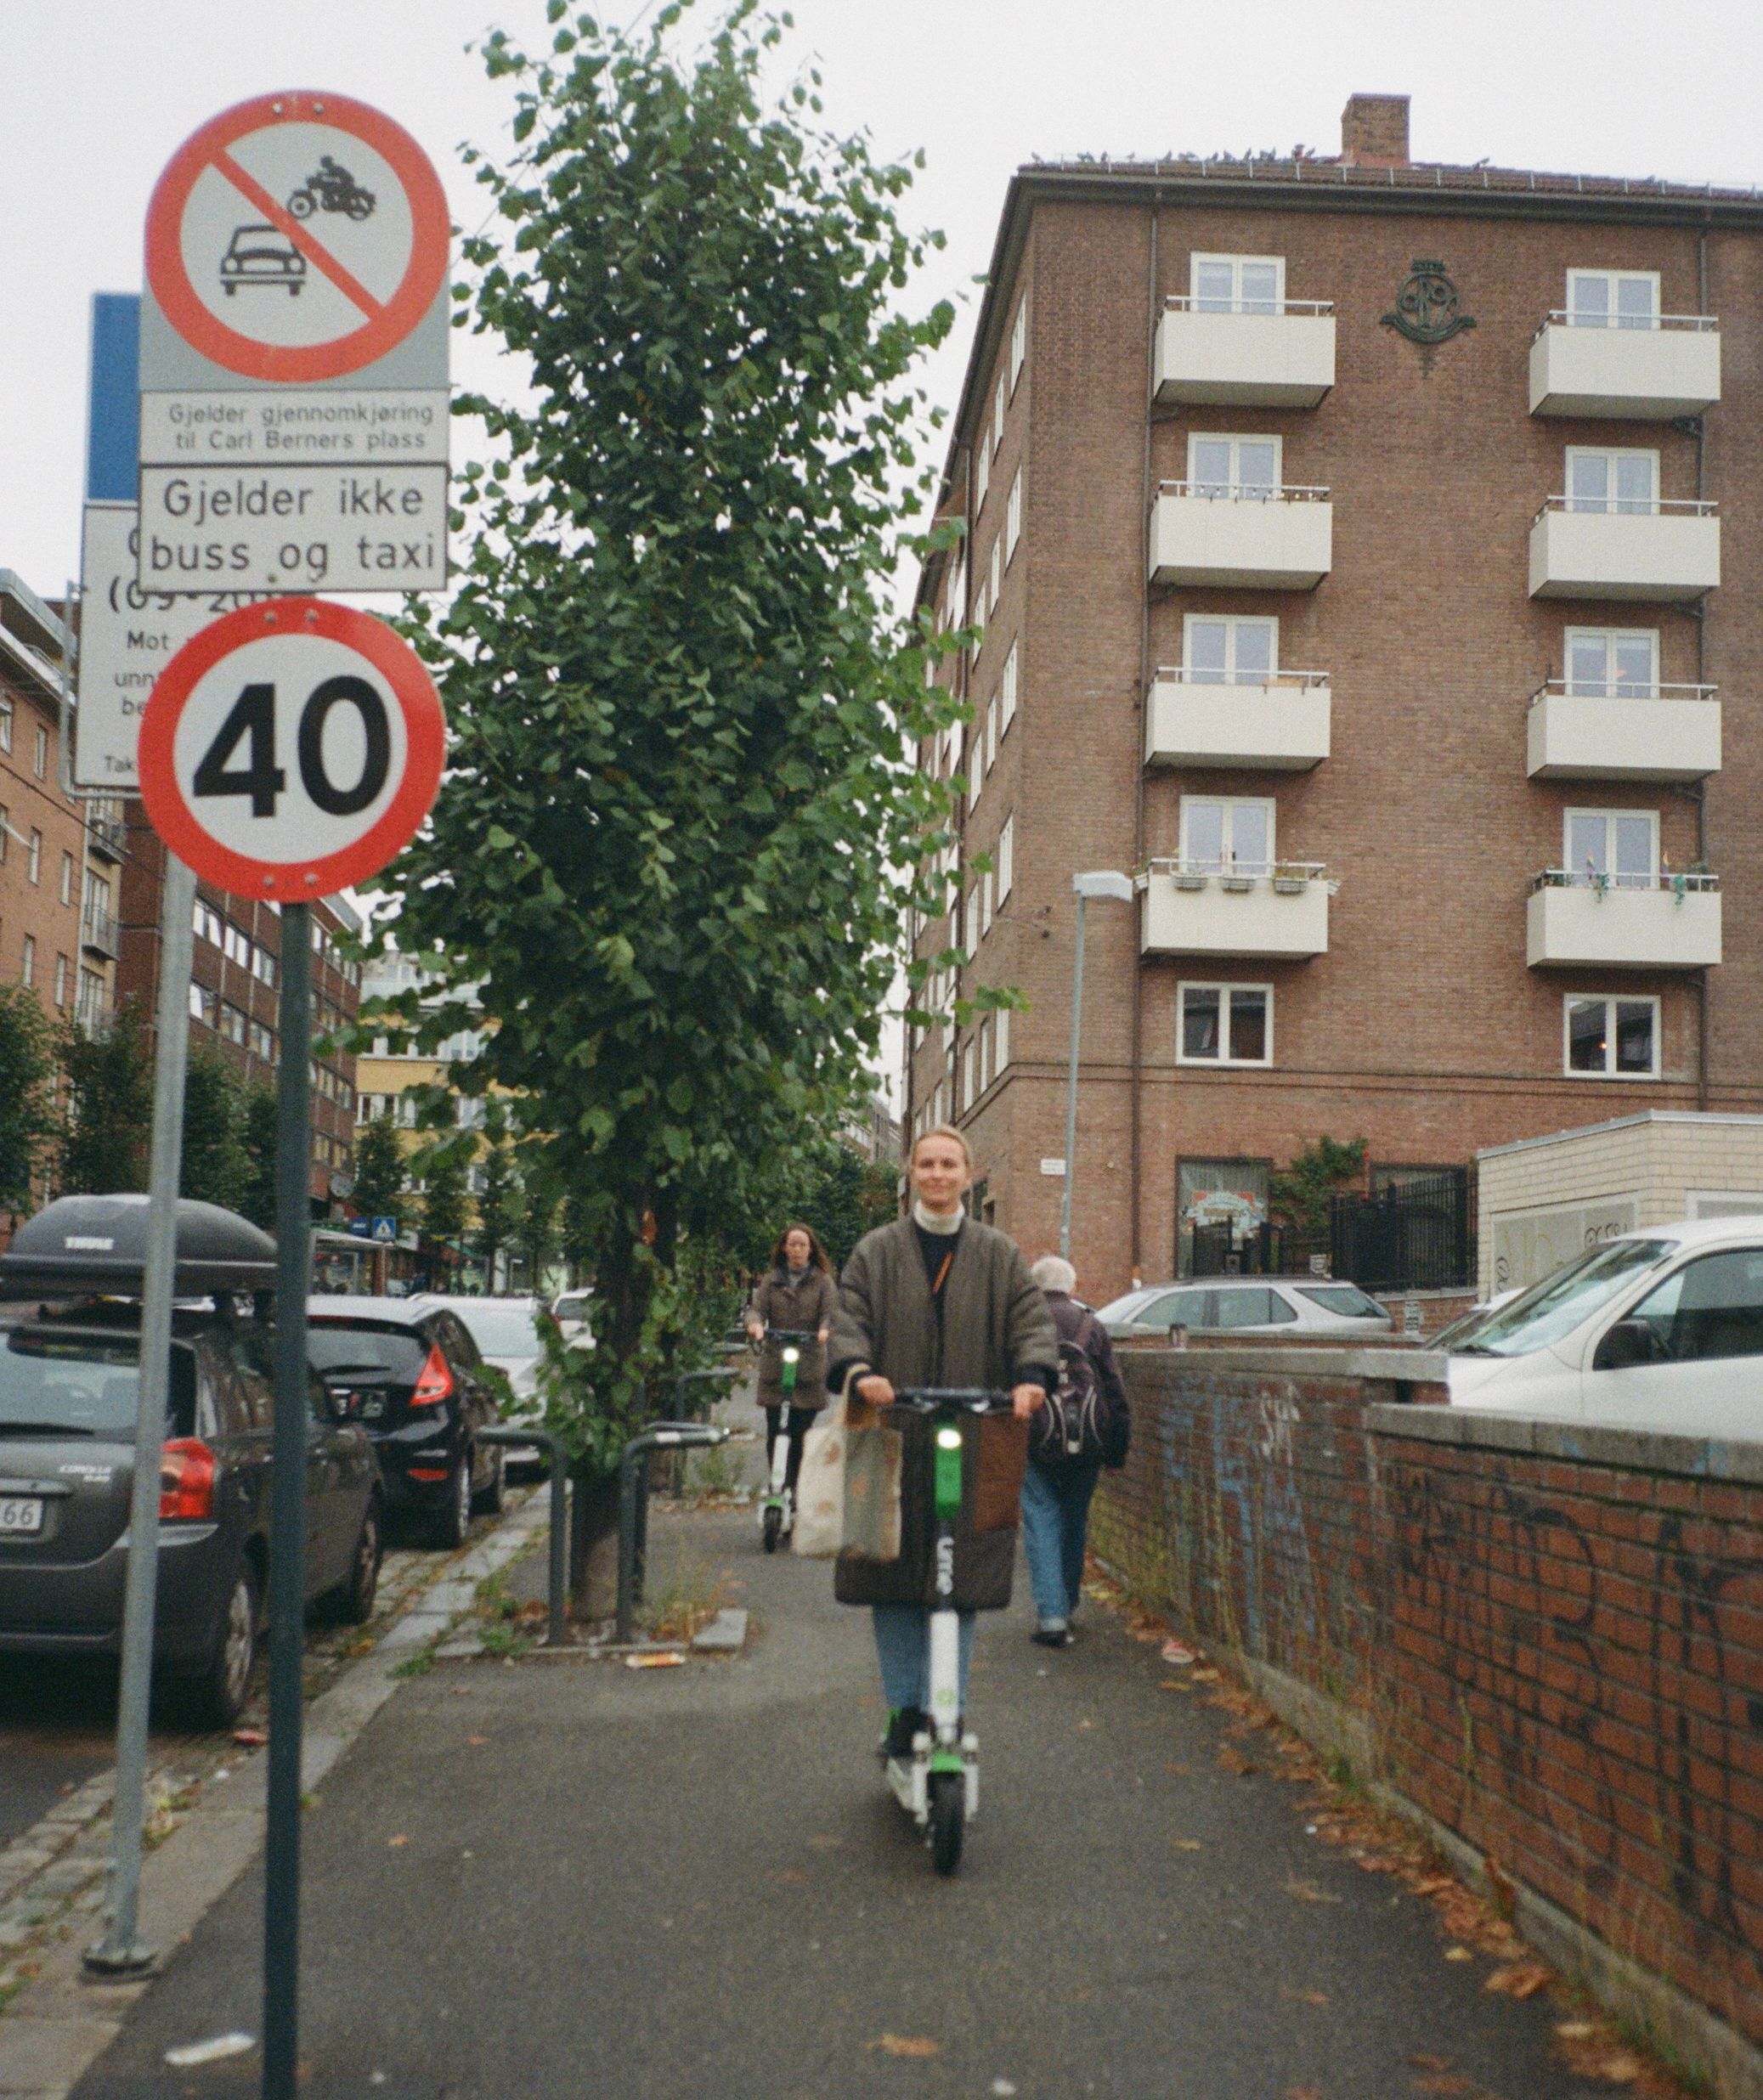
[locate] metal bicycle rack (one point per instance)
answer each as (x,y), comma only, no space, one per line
(634,1506)
(514,1433)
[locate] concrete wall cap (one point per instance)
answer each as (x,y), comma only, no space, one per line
(1634,1450)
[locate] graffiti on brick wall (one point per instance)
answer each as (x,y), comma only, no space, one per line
(1517,1588)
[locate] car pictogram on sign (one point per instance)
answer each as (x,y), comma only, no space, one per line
(258,255)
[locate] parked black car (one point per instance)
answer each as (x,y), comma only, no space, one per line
(412,1377)
(70,1362)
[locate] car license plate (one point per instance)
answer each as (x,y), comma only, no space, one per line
(20,1514)
(373,1406)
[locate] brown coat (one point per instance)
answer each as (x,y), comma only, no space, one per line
(807,1307)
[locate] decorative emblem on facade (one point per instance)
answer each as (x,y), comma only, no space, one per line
(1426,307)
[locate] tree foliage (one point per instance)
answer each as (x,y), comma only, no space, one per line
(216,1165)
(497,1203)
(110,1108)
(445,1203)
(379,1169)
(681,826)
(30,1116)
(258,1198)
(1299,1194)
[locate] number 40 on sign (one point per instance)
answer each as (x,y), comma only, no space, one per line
(290,749)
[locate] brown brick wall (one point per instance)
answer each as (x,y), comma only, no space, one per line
(1560,1659)
(35,910)
(1422,1029)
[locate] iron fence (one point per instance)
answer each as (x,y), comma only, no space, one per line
(1419,1236)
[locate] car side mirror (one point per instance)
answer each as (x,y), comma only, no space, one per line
(1628,1343)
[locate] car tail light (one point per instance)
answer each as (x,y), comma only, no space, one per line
(186,1481)
(436,1383)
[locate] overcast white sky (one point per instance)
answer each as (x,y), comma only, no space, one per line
(95,94)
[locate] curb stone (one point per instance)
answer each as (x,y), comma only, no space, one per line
(60,2021)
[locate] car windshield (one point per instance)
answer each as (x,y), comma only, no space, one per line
(84,1385)
(1347,1300)
(500,1330)
(1131,1305)
(1557,1304)
(574,1308)
(340,1345)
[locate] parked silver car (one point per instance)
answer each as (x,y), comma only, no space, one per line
(1247,1305)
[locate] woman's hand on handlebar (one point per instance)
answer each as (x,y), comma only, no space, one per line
(875,1392)
(754,1333)
(1024,1400)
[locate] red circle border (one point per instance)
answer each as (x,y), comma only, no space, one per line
(293,882)
(423,278)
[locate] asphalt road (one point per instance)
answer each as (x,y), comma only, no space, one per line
(565,1877)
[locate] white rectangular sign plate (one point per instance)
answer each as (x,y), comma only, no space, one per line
(294,426)
(1054,1169)
(128,635)
(293,529)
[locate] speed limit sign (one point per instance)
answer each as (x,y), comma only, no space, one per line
(290,749)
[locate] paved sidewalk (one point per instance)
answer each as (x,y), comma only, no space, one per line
(568,1877)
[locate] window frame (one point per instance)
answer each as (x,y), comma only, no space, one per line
(1005,855)
(1235,263)
(1013,518)
(1610,1001)
(5,725)
(1233,485)
(1225,991)
(1232,804)
(1608,817)
(1008,679)
(1611,505)
(33,858)
(1609,636)
(1231,622)
(982,474)
(27,962)
(1000,402)
(1616,277)
(40,753)
(1019,342)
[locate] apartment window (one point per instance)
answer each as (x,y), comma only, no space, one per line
(1228,652)
(1228,832)
(970,920)
(1613,1038)
(1019,342)
(1007,690)
(203,1005)
(985,1055)
(237,947)
(994,572)
(955,612)
(1237,284)
(1608,477)
(263,1043)
(991,733)
(976,755)
(5,725)
(89,1000)
(985,903)
(5,829)
(982,473)
(1006,858)
(967,1075)
(1613,663)
(1612,298)
(233,1023)
(40,753)
(1225,1024)
(1013,518)
(67,878)
(1001,1040)
(28,973)
(60,980)
(209,925)
(1233,466)
(1613,846)
(999,399)
(262,966)
(33,866)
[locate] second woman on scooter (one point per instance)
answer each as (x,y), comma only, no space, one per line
(796,1294)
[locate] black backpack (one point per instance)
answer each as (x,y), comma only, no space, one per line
(1077,1425)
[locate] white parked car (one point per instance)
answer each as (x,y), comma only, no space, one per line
(1658,1328)
(573,1310)
(502,1328)
(1247,1305)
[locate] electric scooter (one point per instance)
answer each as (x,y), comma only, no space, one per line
(778,1515)
(938,1783)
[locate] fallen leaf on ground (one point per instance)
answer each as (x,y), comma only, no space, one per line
(1173,1652)
(653,1661)
(1420,2061)
(1303,2092)
(789,1874)
(1206,1677)
(1458,1954)
(1431,1885)
(1518,1980)
(1086,1724)
(1620,2070)
(1444,2085)
(1308,1892)
(399,1840)
(910,2045)
(1180,1770)
(1187,1845)
(1575,2031)
(476,1742)
(1230,1760)
(1175,1684)
(1305,1997)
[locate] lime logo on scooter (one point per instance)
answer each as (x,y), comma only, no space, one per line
(778,1515)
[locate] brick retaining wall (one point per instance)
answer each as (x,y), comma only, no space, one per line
(1549,1639)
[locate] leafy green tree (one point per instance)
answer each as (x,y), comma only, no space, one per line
(29,1117)
(499,1198)
(445,1169)
(110,1108)
(681,826)
(536,1235)
(217,1164)
(379,1169)
(258,1198)
(1299,1194)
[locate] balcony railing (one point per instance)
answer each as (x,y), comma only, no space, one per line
(105,830)
(98,932)
(1673,881)
(1627,506)
(1193,302)
(1287,877)
(1628,323)
(1586,919)
(1620,689)
(1278,720)
(1247,492)
(1623,729)
(94,1017)
(1270,682)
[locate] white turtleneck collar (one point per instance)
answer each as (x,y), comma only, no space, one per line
(945,1227)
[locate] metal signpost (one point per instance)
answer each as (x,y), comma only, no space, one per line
(292,434)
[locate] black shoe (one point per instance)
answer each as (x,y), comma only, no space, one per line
(902,1725)
(1052,1636)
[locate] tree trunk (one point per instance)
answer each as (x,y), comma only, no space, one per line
(593,1545)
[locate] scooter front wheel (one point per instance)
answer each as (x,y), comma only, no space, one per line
(948,1820)
(774,1527)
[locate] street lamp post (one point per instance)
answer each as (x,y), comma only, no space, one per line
(1097,883)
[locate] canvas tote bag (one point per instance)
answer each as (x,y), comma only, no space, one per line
(819,1528)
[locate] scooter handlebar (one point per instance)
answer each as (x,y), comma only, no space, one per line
(926,1399)
(792,1333)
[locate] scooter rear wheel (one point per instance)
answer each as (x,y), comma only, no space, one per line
(774,1527)
(948,1818)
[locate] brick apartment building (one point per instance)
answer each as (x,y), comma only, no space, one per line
(236,971)
(1367,553)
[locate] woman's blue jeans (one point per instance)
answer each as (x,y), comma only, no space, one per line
(1055,1518)
(902,1642)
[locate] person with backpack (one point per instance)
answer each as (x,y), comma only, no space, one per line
(1083,1426)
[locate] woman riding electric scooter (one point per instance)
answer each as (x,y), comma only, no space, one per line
(789,1315)
(942,1311)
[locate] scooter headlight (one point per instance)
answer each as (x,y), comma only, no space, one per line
(793,1355)
(948,1439)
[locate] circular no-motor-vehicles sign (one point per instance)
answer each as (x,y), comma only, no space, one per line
(297,237)
(291,749)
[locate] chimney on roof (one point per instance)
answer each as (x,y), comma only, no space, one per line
(1374,131)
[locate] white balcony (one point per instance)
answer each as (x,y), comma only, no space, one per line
(1277,725)
(1672,733)
(1667,554)
(1270,540)
(1573,923)
(1279,913)
(1282,358)
(1648,374)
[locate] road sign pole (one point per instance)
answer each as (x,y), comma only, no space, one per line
(121,1950)
(287,1522)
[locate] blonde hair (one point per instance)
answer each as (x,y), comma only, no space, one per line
(954,1136)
